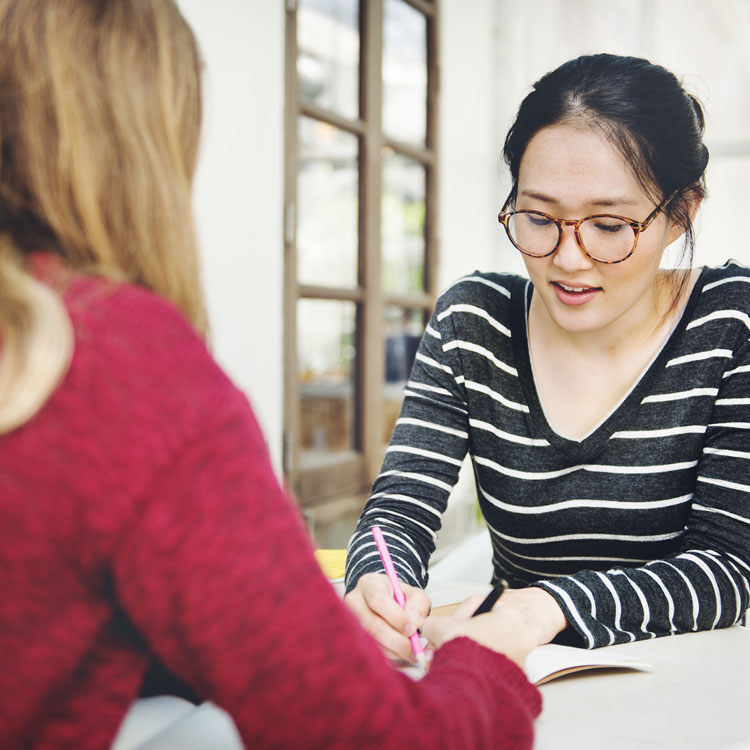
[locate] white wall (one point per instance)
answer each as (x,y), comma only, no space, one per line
(239,194)
(468,189)
(473,184)
(472,122)
(703,44)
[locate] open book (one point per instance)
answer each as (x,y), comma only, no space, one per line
(549,662)
(545,663)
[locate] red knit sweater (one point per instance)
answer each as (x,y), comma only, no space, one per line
(140,516)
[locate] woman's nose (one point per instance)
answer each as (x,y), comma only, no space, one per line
(570,256)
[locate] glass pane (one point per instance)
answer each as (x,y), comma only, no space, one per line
(328,54)
(327,205)
(403,224)
(404,72)
(403,332)
(326,354)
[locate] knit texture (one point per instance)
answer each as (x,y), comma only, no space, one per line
(140,520)
(641,528)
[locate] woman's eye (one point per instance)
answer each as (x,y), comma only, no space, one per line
(609,226)
(537,220)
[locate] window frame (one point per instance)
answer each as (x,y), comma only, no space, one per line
(350,474)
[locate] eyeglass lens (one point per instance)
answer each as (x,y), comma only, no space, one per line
(604,237)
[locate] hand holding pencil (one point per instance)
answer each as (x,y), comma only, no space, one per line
(373,604)
(377,602)
(398,592)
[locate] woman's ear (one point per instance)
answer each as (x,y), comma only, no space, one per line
(690,202)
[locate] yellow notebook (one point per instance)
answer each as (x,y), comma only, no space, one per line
(332,562)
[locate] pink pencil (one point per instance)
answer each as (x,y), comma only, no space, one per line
(398,592)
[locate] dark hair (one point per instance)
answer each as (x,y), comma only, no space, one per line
(642,109)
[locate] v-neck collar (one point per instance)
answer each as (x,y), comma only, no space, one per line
(591,445)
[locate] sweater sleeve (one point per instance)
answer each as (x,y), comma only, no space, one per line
(421,464)
(216,572)
(707,584)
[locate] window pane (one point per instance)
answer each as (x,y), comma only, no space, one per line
(404,72)
(327,205)
(328,54)
(326,353)
(403,224)
(403,331)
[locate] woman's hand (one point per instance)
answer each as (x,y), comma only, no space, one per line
(373,604)
(540,612)
(539,609)
(503,629)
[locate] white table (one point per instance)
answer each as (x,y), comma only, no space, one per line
(697,697)
(165,722)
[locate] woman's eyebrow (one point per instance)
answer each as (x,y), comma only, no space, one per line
(619,201)
(604,202)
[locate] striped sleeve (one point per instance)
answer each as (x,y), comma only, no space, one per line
(422,461)
(706,585)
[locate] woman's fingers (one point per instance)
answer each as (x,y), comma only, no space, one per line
(467,607)
(394,642)
(417,603)
(373,604)
(501,630)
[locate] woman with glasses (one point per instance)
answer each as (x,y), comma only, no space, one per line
(603,401)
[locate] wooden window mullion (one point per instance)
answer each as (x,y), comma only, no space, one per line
(372,358)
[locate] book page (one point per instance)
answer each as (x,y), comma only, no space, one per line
(545,663)
(449,594)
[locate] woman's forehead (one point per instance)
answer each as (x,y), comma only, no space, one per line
(579,165)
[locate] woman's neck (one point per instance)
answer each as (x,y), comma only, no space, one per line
(580,377)
(646,325)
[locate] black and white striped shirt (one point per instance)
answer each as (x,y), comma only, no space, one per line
(640,529)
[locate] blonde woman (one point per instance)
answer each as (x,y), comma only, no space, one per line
(141,525)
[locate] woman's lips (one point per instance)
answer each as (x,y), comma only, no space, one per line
(570,294)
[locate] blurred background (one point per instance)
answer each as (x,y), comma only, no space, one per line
(350,169)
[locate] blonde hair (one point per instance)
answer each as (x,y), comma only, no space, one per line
(100,108)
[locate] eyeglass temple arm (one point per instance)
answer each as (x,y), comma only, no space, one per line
(641,225)
(509,199)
